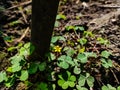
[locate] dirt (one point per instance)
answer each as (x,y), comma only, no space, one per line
(100,16)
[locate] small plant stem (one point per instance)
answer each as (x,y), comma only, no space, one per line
(24,16)
(76,34)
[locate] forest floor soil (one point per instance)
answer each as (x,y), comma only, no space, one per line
(102,17)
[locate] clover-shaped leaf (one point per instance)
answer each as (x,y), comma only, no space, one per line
(42,66)
(80,88)
(90,54)
(69,60)
(105,54)
(61,82)
(65,85)
(71,84)
(83,79)
(76,70)
(108,87)
(66,82)
(70,52)
(82,57)
(72,78)
(33,68)
(106,63)
(82,41)
(64,61)
(80,28)
(42,86)
(63,64)
(90,81)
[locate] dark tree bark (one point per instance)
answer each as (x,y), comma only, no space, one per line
(43,19)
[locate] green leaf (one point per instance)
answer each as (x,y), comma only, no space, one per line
(76,62)
(10,81)
(118,88)
(82,80)
(65,85)
(71,84)
(82,41)
(111,87)
(62,38)
(72,78)
(42,86)
(7,38)
(110,63)
(16,59)
(105,88)
(63,64)
(53,57)
(68,74)
(68,28)
(27,45)
(90,54)
(32,48)
(62,58)
(42,66)
(108,87)
(81,28)
(3,76)
(24,75)
(105,54)
(61,82)
(14,68)
(76,70)
(82,58)
(70,52)
(70,81)
(106,63)
(57,24)
(90,81)
(88,34)
(23,51)
(60,76)
(54,39)
(102,41)
(11,49)
(69,60)
(33,68)
(80,88)
(61,16)
(14,22)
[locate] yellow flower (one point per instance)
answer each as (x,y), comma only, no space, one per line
(57,49)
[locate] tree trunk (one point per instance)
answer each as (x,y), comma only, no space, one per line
(43,19)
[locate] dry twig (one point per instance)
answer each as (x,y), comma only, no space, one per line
(21,4)
(24,34)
